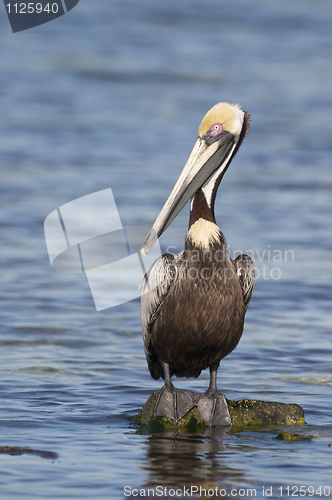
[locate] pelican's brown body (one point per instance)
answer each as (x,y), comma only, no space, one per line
(202,317)
(193,304)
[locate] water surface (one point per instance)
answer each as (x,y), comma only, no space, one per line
(111,95)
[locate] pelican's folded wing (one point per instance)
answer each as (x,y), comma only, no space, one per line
(246,272)
(155,285)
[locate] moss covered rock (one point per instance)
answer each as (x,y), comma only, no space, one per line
(244,413)
(294,437)
(249,412)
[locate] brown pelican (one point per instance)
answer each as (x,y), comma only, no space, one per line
(193,304)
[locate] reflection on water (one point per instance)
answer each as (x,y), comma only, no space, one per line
(111,96)
(205,461)
(176,459)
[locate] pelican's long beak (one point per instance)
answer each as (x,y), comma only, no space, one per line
(203,162)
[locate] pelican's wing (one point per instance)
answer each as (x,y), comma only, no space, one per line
(155,286)
(245,269)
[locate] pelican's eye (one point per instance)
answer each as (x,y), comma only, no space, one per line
(216,129)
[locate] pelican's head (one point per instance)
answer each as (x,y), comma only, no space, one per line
(219,136)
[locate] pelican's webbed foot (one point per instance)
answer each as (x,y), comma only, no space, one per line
(212,406)
(213,409)
(173,403)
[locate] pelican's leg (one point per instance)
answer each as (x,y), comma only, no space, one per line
(212,406)
(167,374)
(212,389)
(171,402)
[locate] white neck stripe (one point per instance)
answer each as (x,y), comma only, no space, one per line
(208,187)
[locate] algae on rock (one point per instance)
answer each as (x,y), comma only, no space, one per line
(244,413)
(248,412)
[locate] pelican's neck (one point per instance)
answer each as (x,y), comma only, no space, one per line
(201,207)
(203,231)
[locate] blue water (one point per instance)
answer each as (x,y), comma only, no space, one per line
(111,95)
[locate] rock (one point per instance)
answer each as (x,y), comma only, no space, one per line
(290,436)
(244,413)
(18,450)
(249,412)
